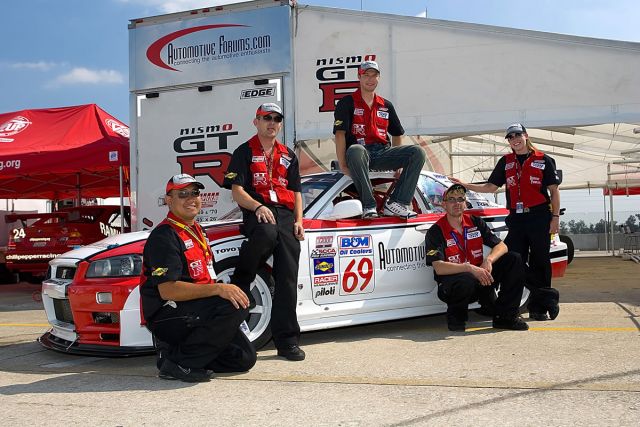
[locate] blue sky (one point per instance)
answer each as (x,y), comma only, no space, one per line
(70,52)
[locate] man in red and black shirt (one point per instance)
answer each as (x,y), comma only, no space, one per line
(264,178)
(363,123)
(196,320)
(454,248)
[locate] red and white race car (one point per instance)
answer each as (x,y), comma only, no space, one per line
(40,237)
(351,272)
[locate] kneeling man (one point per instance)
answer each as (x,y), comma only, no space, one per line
(454,249)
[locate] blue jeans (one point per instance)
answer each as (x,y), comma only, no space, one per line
(361,159)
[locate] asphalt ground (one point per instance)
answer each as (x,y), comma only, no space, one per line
(581,369)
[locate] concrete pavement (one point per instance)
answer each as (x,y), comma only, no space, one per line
(581,369)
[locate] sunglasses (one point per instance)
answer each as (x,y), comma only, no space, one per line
(185,194)
(268,118)
(514,135)
(455,199)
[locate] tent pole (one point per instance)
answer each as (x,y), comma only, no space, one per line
(121,200)
(604,217)
(78,203)
(613,249)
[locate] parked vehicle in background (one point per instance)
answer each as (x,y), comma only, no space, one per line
(352,271)
(37,238)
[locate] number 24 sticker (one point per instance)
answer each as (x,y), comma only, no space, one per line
(356,282)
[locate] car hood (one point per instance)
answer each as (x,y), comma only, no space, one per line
(101,245)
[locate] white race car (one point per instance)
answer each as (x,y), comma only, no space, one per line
(351,272)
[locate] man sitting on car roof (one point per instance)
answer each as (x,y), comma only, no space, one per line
(454,248)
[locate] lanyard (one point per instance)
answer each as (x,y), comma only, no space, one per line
(269,161)
(464,241)
(199,236)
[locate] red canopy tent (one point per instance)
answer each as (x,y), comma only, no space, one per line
(59,153)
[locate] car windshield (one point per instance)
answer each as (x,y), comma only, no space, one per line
(313,187)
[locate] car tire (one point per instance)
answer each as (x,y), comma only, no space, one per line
(262,289)
(570,248)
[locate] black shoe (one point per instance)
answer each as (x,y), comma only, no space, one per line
(291,352)
(512,323)
(540,316)
(554,311)
(456,326)
(173,371)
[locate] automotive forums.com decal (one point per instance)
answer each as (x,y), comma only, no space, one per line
(168,53)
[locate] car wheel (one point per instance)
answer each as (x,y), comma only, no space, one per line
(570,248)
(262,288)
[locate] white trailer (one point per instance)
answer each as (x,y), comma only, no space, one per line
(197,77)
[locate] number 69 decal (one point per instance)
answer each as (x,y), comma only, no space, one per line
(356,279)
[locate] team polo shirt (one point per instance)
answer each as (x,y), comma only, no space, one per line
(239,173)
(436,243)
(549,177)
(369,122)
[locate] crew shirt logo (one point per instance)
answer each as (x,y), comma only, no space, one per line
(358,111)
(358,129)
(257,159)
(538,164)
(383,114)
(196,268)
(259,178)
(509,165)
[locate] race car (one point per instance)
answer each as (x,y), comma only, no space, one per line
(351,271)
(40,237)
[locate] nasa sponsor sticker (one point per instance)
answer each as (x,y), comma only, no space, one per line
(324,266)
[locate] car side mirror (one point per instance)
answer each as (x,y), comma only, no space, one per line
(342,210)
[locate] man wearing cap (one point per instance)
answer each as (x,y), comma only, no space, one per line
(533,199)
(454,246)
(264,178)
(363,123)
(195,319)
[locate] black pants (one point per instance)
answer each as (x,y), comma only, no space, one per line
(529,236)
(278,240)
(204,333)
(461,289)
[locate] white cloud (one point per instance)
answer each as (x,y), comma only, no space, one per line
(40,65)
(171,6)
(81,75)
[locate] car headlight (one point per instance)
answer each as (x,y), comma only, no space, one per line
(117,266)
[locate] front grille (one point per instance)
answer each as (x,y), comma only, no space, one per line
(65,272)
(62,309)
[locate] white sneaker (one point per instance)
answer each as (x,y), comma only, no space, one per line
(397,209)
(369,213)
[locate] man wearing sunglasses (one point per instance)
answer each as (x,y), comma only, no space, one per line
(533,199)
(195,321)
(264,179)
(454,246)
(363,123)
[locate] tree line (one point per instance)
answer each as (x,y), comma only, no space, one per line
(631,225)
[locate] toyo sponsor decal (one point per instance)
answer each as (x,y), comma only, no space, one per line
(334,83)
(170,51)
(399,259)
(117,127)
(196,147)
(323,266)
(12,127)
(355,245)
